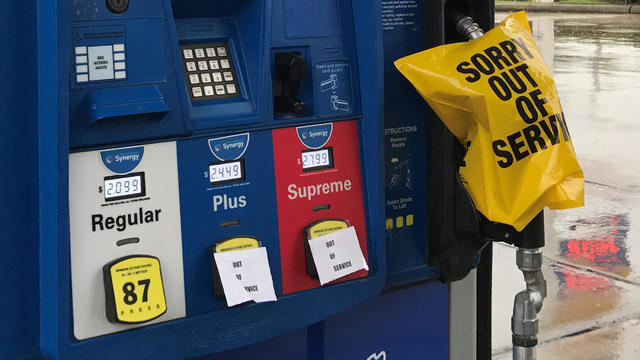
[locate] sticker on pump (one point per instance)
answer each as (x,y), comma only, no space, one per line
(231,244)
(133,289)
(337,254)
(241,271)
(314,230)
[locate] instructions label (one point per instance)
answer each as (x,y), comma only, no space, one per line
(398,13)
(245,276)
(334,82)
(337,254)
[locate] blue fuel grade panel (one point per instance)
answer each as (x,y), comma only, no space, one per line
(214,211)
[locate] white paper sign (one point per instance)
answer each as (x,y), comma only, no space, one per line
(245,276)
(337,254)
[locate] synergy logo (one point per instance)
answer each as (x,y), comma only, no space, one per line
(229,147)
(122,161)
(314,136)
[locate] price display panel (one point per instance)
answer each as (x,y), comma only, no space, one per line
(227,172)
(317,159)
(119,187)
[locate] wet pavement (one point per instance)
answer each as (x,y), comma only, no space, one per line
(592,257)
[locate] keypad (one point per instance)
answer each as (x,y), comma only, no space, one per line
(209,71)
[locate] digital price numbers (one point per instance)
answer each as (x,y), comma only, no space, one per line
(120,187)
(226,172)
(317,159)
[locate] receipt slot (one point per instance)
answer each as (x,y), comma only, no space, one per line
(149,137)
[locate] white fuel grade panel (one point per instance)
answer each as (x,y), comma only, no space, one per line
(123,202)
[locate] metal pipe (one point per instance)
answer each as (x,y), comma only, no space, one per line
(527,304)
(524,353)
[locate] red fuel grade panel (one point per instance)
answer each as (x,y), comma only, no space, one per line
(338,185)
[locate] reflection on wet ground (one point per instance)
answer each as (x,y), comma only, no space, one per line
(593,253)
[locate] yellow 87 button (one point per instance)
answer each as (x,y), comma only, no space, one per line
(133,289)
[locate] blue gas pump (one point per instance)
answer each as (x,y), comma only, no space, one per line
(145,139)
(158,136)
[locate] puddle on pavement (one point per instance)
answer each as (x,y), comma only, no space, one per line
(592,257)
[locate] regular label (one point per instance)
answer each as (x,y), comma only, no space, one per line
(134,290)
(337,254)
(245,276)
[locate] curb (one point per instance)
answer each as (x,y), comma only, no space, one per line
(598,9)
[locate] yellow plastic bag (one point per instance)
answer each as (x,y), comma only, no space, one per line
(497,96)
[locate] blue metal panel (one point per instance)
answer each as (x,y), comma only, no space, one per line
(404,324)
(53,179)
(405,155)
(312,18)
(145,30)
(18,155)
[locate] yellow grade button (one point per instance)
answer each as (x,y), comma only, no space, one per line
(237,243)
(324,227)
(133,289)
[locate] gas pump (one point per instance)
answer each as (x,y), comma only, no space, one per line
(207,175)
(205,179)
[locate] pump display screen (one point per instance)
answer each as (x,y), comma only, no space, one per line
(121,187)
(317,159)
(226,172)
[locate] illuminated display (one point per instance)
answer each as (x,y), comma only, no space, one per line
(317,159)
(226,172)
(120,187)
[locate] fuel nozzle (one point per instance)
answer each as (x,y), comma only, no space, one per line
(464,24)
